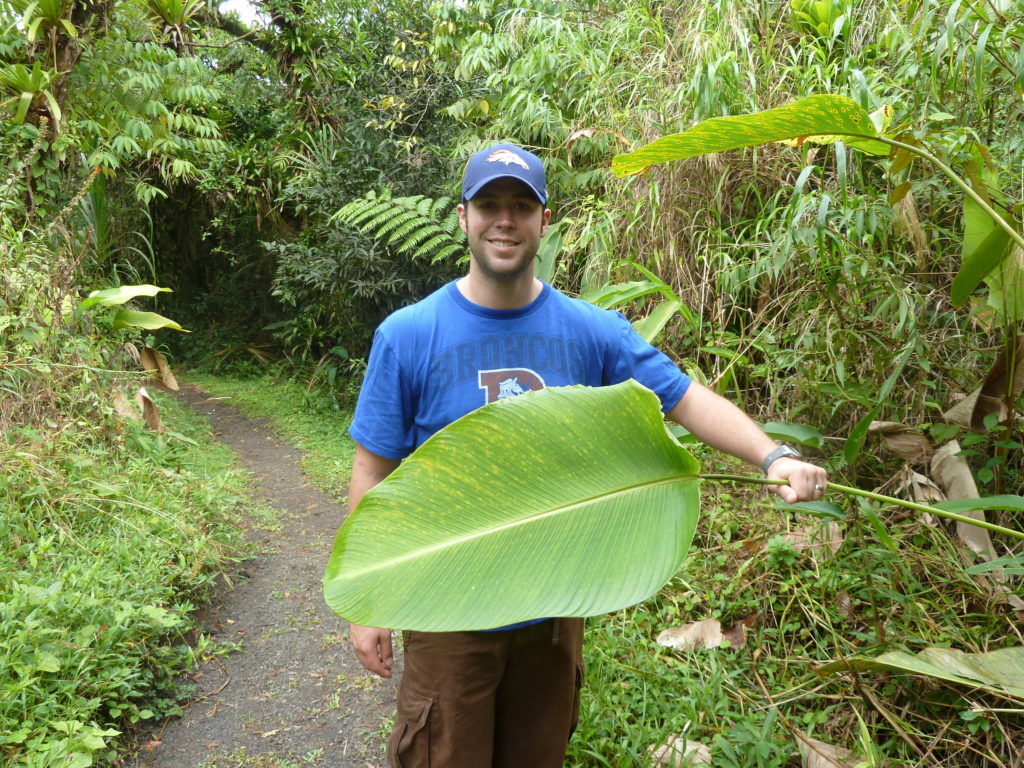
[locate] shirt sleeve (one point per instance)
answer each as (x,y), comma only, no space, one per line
(636,359)
(383,421)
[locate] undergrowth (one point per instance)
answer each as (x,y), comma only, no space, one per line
(800,607)
(899,587)
(111,530)
(110,536)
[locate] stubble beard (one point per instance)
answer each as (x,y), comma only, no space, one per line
(503,276)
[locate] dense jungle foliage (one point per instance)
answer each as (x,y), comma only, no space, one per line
(292,181)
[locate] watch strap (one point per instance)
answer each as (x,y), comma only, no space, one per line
(778,453)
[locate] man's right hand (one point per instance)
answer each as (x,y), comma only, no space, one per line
(373,648)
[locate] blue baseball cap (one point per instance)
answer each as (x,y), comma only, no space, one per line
(504,161)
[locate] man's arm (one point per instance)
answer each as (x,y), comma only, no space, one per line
(372,645)
(720,424)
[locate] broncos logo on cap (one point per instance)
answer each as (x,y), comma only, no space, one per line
(507,157)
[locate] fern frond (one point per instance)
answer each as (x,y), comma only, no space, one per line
(440,207)
(355,211)
(385,224)
(410,228)
(431,245)
(448,250)
(417,236)
(451,222)
(370,215)
(418,226)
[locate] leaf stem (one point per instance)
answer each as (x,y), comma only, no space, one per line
(878,497)
(955,178)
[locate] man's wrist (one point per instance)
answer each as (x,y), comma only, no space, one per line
(780,452)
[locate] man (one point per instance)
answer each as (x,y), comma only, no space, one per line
(509,697)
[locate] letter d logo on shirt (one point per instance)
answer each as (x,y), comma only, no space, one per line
(508,382)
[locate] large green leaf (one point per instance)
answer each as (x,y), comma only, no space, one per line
(151,321)
(547,253)
(816,116)
(991,252)
(119,294)
(474,531)
(650,327)
(794,433)
(1000,671)
(985,244)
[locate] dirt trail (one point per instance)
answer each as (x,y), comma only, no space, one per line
(294,694)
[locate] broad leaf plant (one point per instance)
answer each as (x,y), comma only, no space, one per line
(569,501)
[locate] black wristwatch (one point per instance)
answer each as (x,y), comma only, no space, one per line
(778,453)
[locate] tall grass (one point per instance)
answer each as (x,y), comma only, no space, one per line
(817,299)
(755,241)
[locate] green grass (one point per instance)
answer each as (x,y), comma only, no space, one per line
(800,610)
(311,423)
(110,536)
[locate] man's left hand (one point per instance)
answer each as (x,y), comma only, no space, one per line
(806,481)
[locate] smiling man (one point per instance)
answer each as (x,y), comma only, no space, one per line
(509,696)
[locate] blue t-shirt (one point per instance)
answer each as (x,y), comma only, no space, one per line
(435,361)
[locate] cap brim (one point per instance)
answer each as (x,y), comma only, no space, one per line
(474,190)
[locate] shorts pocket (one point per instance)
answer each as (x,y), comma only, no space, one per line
(576,695)
(410,741)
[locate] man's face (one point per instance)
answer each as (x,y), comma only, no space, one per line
(504,224)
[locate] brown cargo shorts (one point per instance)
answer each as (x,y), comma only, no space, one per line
(505,699)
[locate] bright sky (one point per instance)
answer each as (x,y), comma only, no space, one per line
(245,11)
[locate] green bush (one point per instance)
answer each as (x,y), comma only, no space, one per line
(107,540)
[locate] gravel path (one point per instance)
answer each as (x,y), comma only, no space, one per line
(294,694)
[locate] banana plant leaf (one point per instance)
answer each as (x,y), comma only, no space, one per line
(822,118)
(568,501)
(1000,671)
(119,294)
(151,321)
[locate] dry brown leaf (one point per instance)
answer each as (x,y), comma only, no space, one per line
(150,413)
(989,398)
(573,138)
(698,634)
(122,407)
(677,752)
(960,412)
(910,223)
(921,489)
(993,391)
(133,352)
(819,754)
(752,547)
(816,538)
(954,474)
(906,442)
(154,362)
(736,635)
(844,606)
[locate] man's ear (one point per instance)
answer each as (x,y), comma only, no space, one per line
(461,208)
(544,223)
